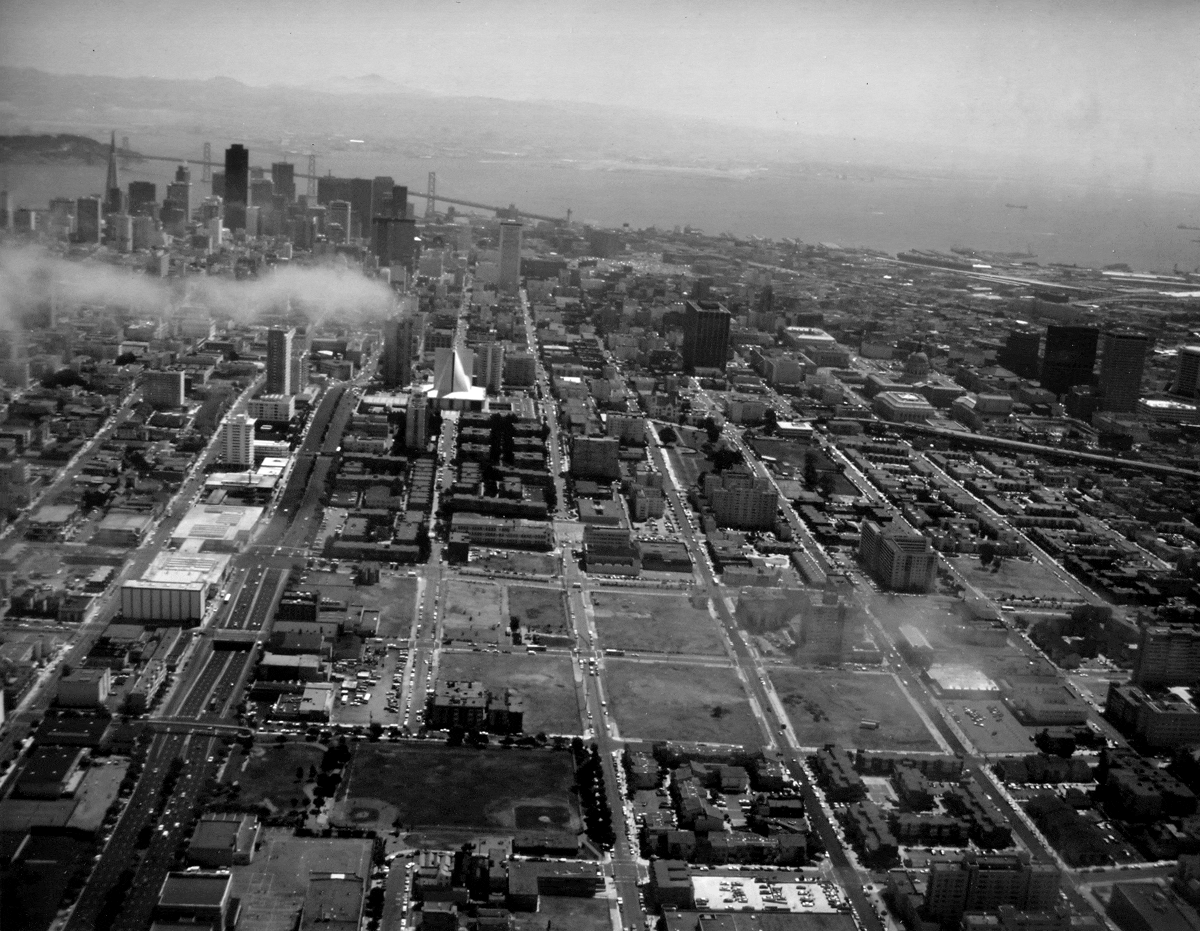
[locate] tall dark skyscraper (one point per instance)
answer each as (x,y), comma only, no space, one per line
(1020,353)
(143,197)
(1122,362)
(283,174)
(237,175)
(1069,358)
(394,241)
(400,200)
(400,340)
(705,335)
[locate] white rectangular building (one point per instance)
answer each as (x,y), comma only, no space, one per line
(237,446)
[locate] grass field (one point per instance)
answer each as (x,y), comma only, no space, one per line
(473,612)
(434,787)
(826,706)
(1016,577)
(269,774)
(655,623)
(539,609)
(676,701)
(545,682)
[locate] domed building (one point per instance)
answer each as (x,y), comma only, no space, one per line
(916,366)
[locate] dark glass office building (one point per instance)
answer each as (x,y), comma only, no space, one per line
(1069,358)
(705,335)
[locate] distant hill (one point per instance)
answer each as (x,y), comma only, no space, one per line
(64,149)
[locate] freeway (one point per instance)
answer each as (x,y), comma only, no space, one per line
(207,688)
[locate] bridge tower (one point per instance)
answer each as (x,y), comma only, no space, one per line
(430,195)
(206,171)
(312,174)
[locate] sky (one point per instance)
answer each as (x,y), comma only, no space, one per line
(1082,81)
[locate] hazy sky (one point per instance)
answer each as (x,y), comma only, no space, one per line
(1085,80)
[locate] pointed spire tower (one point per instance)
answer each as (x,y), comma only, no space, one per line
(112,186)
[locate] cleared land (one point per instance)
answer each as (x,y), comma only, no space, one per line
(539,609)
(827,706)
(545,682)
(447,791)
(677,701)
(473,612)
(518,562)
(656,623)
(268,776)
(1015,578)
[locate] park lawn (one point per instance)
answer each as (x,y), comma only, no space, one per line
(435,786)
(828,706)
(269,774)
(641,622)
(678,701)
(546,682)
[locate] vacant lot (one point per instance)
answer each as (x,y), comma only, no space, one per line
(677,701)
(268,776)
(656,623)
(827,706)
(545,682)
(688,467)
(539,609)
(395,597)
(473,612)
(517,562)
(435,787)
(1016,577)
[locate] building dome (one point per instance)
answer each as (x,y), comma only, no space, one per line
(917,365)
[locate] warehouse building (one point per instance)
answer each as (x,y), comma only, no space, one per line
(175,587)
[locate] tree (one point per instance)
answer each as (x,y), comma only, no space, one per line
(987,552)
(769,422)
(299,773)
(551,496)
(711,428)
(667,435)
(827,484)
